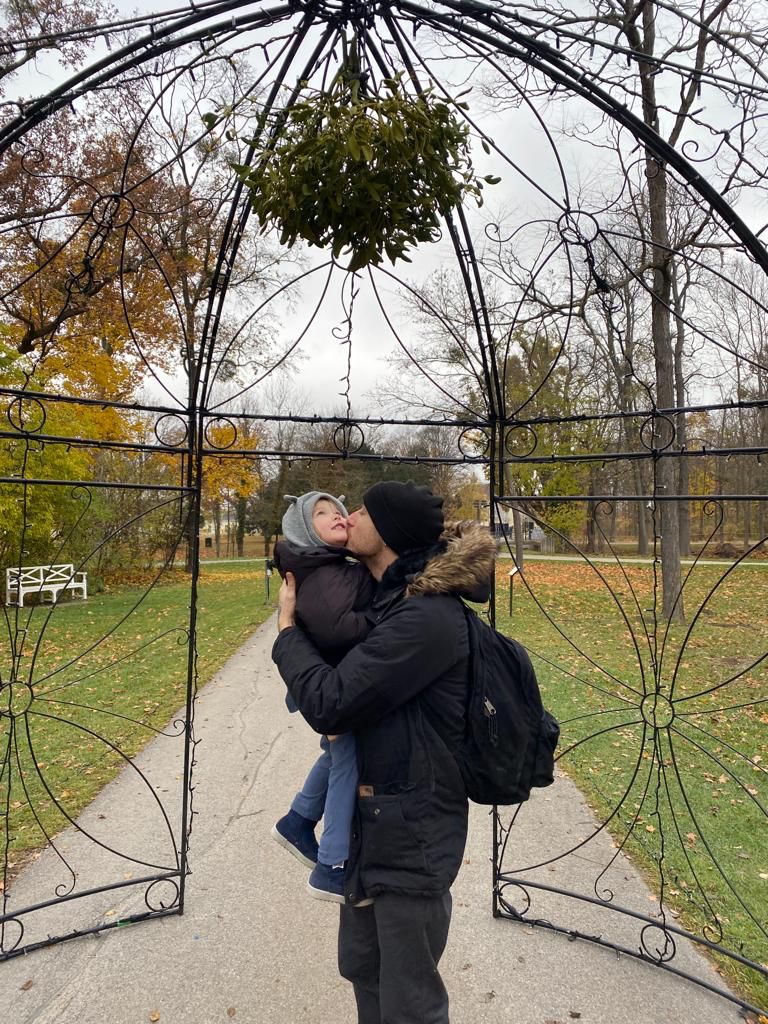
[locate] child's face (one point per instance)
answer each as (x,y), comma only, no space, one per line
(328,523)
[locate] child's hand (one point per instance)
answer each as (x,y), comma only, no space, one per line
(286,603)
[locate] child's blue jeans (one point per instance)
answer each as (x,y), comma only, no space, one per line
(329,792)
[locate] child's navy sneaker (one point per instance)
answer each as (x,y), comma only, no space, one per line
(297,835)
(326,882)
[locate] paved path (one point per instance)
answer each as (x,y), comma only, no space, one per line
(253,948)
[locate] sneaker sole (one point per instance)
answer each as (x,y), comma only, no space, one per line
(287,845)
(323,894)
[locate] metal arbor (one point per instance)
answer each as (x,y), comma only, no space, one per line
(599,352)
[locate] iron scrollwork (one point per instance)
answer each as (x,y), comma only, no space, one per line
(533,354)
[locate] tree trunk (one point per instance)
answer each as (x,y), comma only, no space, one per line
(746,506)
(721,479)
(240,511)
(642,529)
(719,537)
(613,523)
(517,520)
(217,527)
(665,475)
(664,465)
(681,426)
(747,510)
(595,544)
(684,509)
(591,528)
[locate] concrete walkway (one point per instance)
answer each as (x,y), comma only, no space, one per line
(253,947)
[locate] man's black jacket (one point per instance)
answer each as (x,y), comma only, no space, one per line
(403,692)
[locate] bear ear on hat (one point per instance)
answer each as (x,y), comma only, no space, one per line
(292,498)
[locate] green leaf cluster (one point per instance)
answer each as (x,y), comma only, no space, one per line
(365,174)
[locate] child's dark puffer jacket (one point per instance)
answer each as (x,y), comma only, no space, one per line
(332,595)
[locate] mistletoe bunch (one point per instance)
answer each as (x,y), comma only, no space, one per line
(366,174)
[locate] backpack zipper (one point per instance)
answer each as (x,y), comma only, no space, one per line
(490,713)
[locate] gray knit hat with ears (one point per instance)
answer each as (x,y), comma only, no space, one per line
(297,521)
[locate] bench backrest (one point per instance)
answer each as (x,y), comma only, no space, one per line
(39,574)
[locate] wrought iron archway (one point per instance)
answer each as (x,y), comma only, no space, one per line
(568,278)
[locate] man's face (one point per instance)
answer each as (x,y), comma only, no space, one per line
(328,523)
(362,536)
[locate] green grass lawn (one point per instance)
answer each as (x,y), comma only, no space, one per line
(107,674)
(687,800)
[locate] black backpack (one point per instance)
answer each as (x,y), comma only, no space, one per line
(510,738)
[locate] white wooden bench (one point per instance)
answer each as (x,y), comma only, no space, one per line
(43,579)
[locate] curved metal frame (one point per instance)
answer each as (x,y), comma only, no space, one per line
(498,435)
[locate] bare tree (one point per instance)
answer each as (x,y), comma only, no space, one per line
(539,375)
(678,58)
(738,311)
(63,28)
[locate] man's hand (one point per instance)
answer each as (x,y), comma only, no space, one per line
(286,603)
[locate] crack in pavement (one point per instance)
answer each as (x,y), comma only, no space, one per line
(35,1014)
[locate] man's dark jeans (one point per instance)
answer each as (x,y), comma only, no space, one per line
(390,952)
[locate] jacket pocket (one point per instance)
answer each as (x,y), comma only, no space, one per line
(390,841)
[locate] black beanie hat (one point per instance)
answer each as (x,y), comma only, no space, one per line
(405,515)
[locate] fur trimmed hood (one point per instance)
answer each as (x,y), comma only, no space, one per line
(463,564)
(460,563)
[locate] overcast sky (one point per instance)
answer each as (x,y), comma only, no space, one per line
(321,370)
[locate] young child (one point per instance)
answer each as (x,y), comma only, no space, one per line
(331,596)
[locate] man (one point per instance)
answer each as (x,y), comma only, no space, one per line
(403,692)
